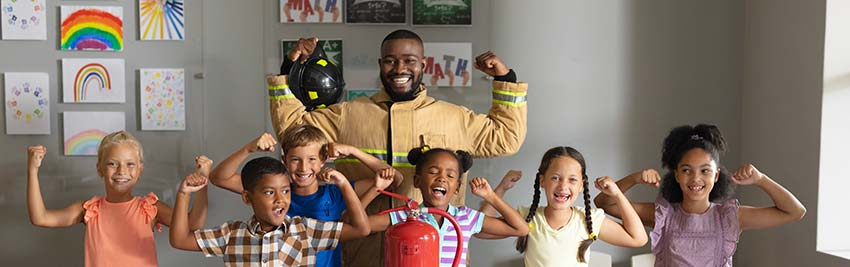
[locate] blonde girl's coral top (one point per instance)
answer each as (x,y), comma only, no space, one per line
(120,233)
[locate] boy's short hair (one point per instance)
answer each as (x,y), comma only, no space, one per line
(256,168)
(303,135)
(120,137)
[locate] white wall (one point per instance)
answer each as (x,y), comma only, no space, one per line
(832,233)
(781,107)
(611,78)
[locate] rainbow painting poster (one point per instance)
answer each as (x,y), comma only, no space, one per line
(163,99)
(93,80)
(27,102)
(95,28)
(84,130)
(161,20)
(23,20)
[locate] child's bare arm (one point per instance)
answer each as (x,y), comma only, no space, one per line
(508,181)
(631,233)
(379,223)
(645,210)
(787,207)
(198,213)
(38,213)
(225,176)
(510,224)
(359,226)
(179,234)
(383,180)
(337,150)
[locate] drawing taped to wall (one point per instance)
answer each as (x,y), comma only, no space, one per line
(27,102)
(93,80)
(96,28)
(161,20)
(163,99)
(23,20)
(448,64)
(83,130)
(310,11)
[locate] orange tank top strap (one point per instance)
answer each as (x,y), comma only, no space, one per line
(150,210)
(92,206)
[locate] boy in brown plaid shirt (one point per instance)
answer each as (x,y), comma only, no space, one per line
(269,238)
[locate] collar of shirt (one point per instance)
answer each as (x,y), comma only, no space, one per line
(255,229)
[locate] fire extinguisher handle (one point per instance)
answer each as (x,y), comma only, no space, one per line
(412,204)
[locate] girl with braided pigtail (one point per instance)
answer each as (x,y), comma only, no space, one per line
(559,227)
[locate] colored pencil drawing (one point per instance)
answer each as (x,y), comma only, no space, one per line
(161,20)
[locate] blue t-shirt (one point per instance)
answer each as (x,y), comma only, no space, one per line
(326,204)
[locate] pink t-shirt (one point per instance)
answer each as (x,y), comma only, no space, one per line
(684,239)
(120,233)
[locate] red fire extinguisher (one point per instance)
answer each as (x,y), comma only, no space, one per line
(414,243)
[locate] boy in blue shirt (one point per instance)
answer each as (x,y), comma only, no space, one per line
(305,150)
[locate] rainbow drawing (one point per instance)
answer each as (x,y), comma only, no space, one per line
(83,130)
(84,143)
(92,28)
(161,19)
(92,72)
(93,80)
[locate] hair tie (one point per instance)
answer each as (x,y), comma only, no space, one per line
(425,149)
(696,137)
(593,236)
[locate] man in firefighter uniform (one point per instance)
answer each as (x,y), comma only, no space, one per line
(402,116)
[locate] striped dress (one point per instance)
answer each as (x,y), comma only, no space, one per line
(470,222)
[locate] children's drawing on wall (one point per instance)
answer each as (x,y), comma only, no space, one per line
(92,80)
(23,20)
(83,130)
(375,11)
(163,99)
(161,20)
(332,47)
(27,102)
(442,12)
(97,28)
(352,93)
(310,11)
(448,64)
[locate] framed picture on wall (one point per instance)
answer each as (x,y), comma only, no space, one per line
(352,93)
(442,12)
(375,11)
(332,47)
(448,65)
(311,11)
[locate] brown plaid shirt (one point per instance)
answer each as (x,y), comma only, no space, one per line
(295,243)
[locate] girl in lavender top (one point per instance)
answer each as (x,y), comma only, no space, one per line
(696,218)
